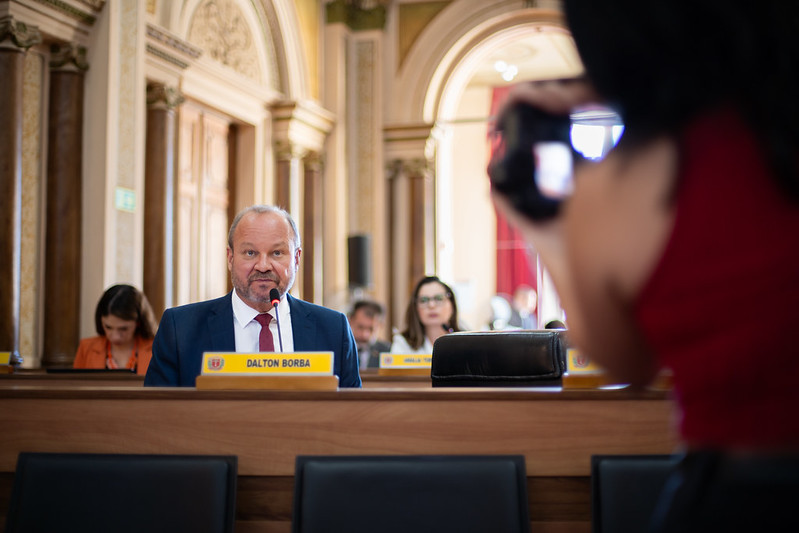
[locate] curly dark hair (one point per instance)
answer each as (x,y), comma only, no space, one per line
(128,303)
(414,329)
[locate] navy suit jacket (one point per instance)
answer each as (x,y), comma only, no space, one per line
(187,331)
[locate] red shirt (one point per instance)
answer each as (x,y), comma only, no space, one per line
(722,306)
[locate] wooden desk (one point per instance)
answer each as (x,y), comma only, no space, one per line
(557,431)
(42,378)
(371,380)
(28,378)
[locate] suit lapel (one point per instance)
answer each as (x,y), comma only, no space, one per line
(220,325)
(302,327)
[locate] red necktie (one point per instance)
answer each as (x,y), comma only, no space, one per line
(265,342)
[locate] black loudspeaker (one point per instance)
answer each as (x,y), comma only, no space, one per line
(359,257)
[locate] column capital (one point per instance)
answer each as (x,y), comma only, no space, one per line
(301,123)
(285,150)
(412,168)
(162,96)
(313,161)
(17,34)
(68,56)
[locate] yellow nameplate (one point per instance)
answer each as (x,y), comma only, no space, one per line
(579,363)
(402,360)
(5,358)
(268,364)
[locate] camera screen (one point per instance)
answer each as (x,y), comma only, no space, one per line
(553,168)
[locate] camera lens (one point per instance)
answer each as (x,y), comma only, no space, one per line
(595,130)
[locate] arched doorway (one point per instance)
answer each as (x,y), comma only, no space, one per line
(452,93)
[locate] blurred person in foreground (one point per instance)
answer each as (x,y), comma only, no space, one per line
(432,313)
(670,247)
(125,326)
(263,255)
(366,320)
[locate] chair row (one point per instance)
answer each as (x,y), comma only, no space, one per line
(169,493)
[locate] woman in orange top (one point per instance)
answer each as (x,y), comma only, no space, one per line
(126,326)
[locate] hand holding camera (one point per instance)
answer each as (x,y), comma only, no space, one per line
(543,131)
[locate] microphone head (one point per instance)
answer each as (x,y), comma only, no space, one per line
(274,296)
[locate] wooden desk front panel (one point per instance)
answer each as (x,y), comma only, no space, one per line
(557,432)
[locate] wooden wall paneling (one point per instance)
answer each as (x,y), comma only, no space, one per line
(214,221)
(557,432)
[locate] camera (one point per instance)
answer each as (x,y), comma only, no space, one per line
(535,154)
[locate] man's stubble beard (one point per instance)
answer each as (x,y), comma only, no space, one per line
(246,293)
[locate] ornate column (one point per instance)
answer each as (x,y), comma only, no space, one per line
(159,196)
(356,190)
(288,195)
(64,204)
(312,229)
(300,128)
(411,222)
(15,38)
(288,177)
(411,212)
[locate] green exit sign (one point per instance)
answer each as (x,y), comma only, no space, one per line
(126,199)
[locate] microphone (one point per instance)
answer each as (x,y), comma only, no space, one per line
(447,328)
(274,297)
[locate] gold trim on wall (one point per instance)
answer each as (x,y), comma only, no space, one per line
(413,19)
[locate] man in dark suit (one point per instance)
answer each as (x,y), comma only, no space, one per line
(263,254)
(366,321)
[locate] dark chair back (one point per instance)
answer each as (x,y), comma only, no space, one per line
(625,490)
(123,493)
(523,358)
(401,494)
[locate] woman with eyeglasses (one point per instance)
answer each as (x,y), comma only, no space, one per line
(125,326)
(432,313)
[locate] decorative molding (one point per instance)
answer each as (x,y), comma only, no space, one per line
(220,28)
(162,96)
(278,78)
(170,48)
(97,5)
(303,124)
(73,12)
(169,58)
(313,162)
(68,56)
(285,150)
(408,141)
(172,41)
(366,132)
(19,34)
(411,168)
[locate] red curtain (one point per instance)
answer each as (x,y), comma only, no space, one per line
(515,264)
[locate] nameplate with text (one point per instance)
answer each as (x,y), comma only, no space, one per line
(579,363)
(268,364)
(400,360)
(5,358)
